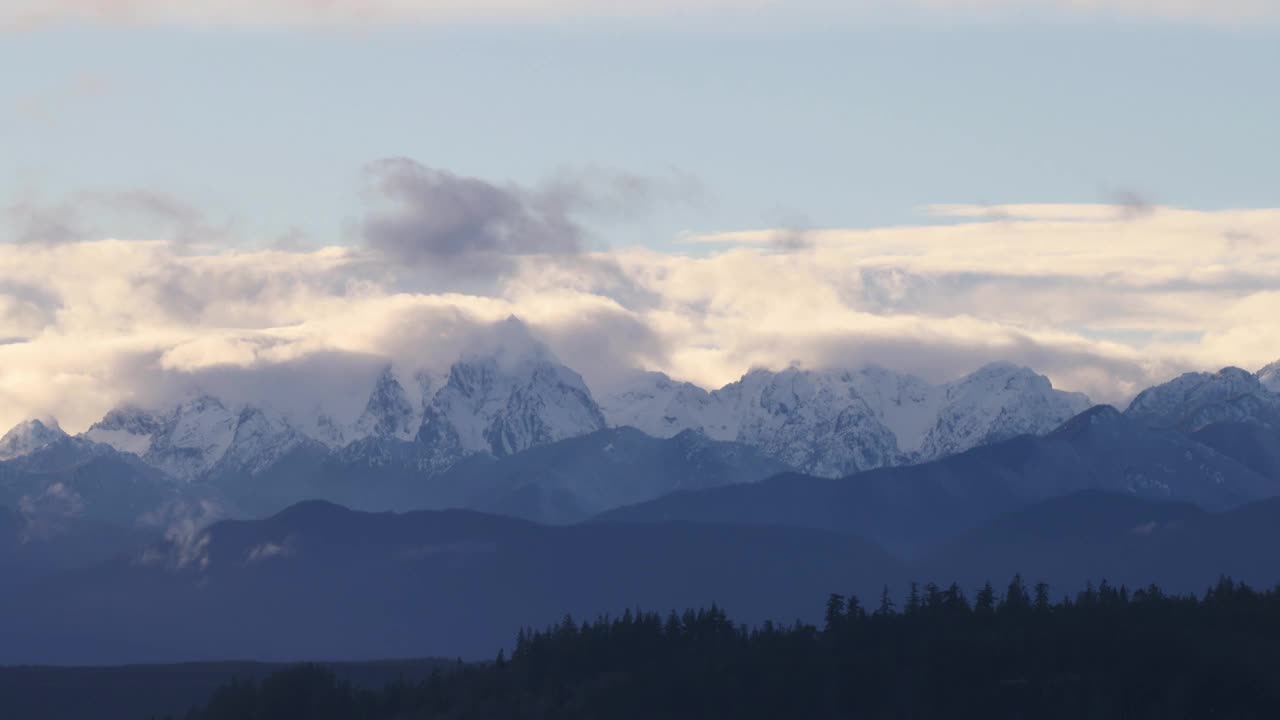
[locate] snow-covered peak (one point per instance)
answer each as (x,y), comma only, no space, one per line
(834,422)
(812,420)
(259,439)
(127,429)
(906,404)
(29,436)
(504,404)
(1193,400)
(390,411)
(1269,376)
(657,405)
(192,437)
(996,402)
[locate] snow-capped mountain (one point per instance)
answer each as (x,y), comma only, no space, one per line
(390,412)
(29,436)
(814,421)
(192,438)
(1269,376)
(836,422)
(659,406)
(258,441)
(517,395)
(197,436)
(1196,400)
(502,404)
(998,402)
(127,429)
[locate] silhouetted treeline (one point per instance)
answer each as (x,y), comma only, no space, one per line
(1108,652)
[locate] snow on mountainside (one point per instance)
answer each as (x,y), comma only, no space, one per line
(657,405)
(508,402)
(814,421)
(390,412)
(518,395)
(28,437)
(1269,376)
(998,402)
(836,422)
(511,399)
(192,437)
(1196,400)
(127,429)
(259,440)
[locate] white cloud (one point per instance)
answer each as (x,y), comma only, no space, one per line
(708,13)
(1100,300)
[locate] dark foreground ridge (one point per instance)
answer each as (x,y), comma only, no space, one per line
(1106,653)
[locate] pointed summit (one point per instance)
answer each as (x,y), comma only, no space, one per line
(389,412)
(1269,376)
(28,436)
(192,437)
(127,429)
(997,402)
(505,402)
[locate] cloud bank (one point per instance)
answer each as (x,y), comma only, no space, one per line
(1102,299)
(23,14)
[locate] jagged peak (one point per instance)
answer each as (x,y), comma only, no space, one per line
(509,344)
(1231,379)
(1269,376)
(30,435)
(198,402)
(43,424)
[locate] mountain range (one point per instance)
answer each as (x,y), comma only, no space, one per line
(113,551)
(318,581)
(420,431)
(464,438)
(909,508)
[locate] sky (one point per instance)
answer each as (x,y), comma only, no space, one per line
(260,194)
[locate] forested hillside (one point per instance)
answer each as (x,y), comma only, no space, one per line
(1107,652)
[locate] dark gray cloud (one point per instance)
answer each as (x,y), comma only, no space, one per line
(30,222)
(424,215)
(95,215)
(430,215)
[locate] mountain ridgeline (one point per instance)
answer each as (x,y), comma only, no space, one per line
(421,435)
(518,498)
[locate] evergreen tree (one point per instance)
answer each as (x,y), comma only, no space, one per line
(834,618)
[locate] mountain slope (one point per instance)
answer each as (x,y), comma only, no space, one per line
(1089,537)
(1196,400)
(575,478)
(1254,446)
(1269,376)
(28,437)
(835,422)
(383,585)
(909,508)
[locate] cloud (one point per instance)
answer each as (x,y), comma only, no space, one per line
(421,216)
(433,216)
(1102,301)
(85,216)
(269,550)
(26,14)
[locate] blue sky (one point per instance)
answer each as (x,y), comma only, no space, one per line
(194,189)
(269,128)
